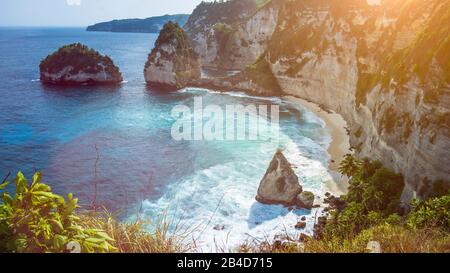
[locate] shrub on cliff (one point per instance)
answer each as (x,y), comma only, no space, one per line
(373,198)
(37,220)
(432,213)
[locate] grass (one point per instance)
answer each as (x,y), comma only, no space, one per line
(135,238)
(392,238)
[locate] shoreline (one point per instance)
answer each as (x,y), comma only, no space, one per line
(339,146)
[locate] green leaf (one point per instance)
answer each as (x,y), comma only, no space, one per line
(36,178)
(104,235)
(3,186)
(21,183)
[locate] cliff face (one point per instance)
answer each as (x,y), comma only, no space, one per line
(76,64)
(172,63)
(385,66)
(231,34)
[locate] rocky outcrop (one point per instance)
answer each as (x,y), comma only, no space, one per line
(173,62)
(362,59)
(305,200)
(280,184)
(256,79)
(248,40)
(76,64)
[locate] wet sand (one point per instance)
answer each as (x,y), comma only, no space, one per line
(339,147)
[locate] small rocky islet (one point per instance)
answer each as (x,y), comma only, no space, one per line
(172,63)
(77,65)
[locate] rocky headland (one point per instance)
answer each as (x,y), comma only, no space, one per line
(76,64)
(147,25)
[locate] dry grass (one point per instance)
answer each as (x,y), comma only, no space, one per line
(393,239)
(135,237)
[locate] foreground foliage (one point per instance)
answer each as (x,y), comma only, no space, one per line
(36,220)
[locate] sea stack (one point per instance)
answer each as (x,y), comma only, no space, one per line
(280,184)
(173,62)
(76,64)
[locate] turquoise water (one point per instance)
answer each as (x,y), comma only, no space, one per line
(117,141)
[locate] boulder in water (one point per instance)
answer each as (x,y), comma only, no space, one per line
(305,200)
(280,184)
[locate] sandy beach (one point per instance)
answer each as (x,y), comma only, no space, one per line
(339,147)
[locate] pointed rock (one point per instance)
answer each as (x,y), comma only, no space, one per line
(172,64)
(280,184)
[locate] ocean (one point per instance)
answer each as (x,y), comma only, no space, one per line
(112,146)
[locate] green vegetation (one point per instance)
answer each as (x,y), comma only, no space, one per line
(434,213)
(371,211)
(431,43)
(172,31)
(222,32)
(148,25)
(172,34)
(374,195)
(184,58)
(81,58)
(262,3)
(36,220)
(227,12)
(261,74)
(425,55)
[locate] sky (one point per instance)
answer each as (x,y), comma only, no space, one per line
(85,12)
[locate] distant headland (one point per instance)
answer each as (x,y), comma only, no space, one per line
(148,25)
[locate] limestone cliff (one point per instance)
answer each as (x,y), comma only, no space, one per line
(76,64)
(231,34)
(172,62)
(384,65)
(385,68)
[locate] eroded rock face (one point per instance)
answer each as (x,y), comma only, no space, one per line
(76,64)
(211,24)
(280,184)
(173,62)
(397,107)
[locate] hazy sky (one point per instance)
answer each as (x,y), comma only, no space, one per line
(85,12)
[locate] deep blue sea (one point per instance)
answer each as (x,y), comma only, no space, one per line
(113,146)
